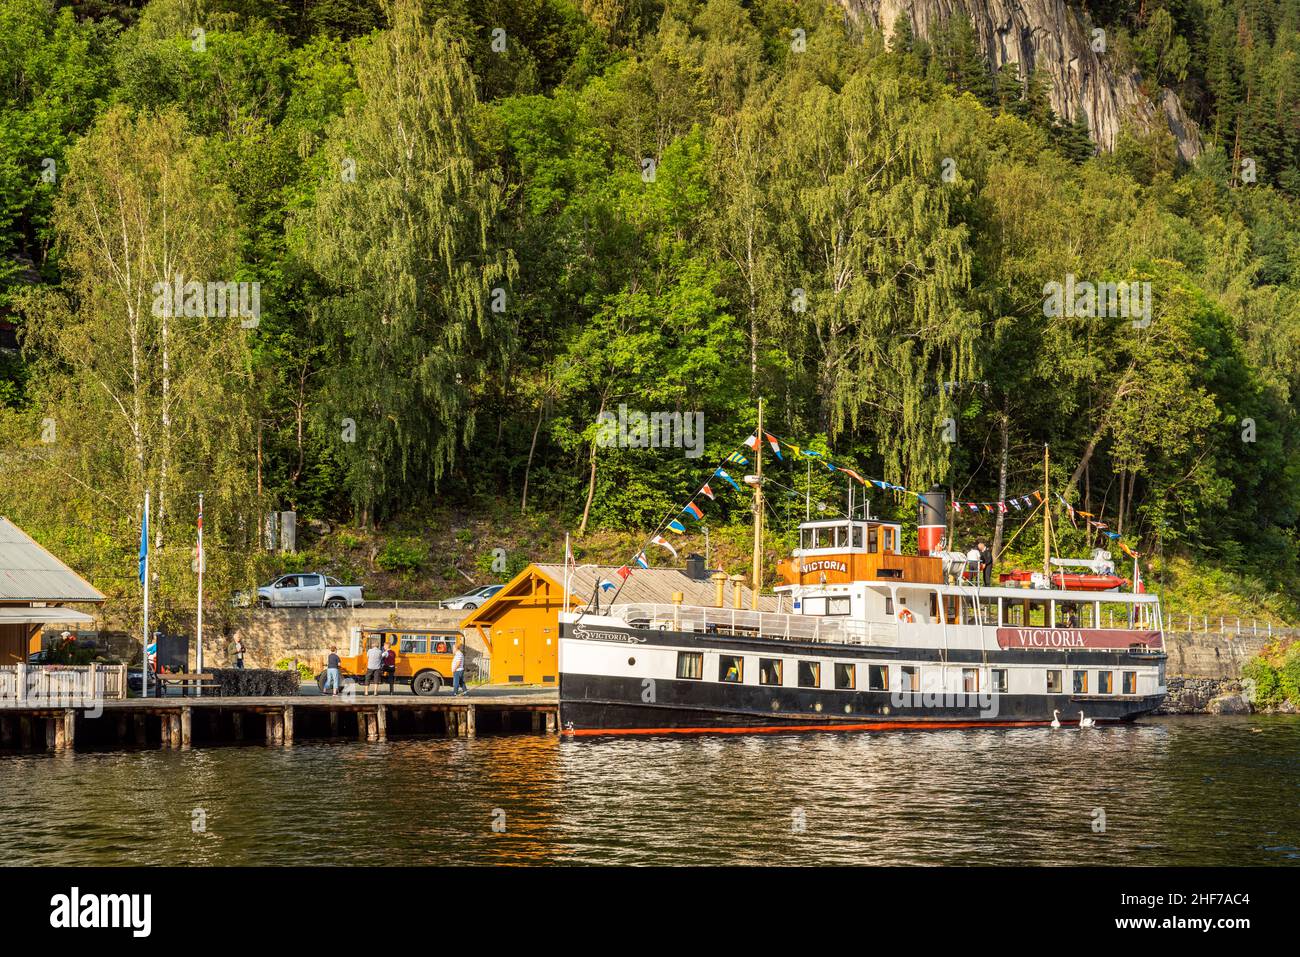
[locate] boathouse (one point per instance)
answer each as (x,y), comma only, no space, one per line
(33,587)
(520,623)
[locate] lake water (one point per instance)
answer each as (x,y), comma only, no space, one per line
(1208,791)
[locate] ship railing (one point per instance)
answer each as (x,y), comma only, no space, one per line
(758,624)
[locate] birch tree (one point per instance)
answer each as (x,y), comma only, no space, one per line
(415,296)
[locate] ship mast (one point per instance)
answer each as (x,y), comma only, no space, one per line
(758,510)
(1047,521)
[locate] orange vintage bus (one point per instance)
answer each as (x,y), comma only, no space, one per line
(423,657)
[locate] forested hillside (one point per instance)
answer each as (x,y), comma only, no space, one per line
(475,227)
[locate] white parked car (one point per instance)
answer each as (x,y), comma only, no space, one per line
(473,598)
(309,590)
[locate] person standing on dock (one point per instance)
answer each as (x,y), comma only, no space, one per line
(389,666)
(458,669)
(239,653)
(332,664)
(374,667)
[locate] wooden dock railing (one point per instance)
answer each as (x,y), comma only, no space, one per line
(23,683)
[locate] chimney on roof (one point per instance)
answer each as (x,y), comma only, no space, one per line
(695,567)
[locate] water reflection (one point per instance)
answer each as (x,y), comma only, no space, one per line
(1173,791)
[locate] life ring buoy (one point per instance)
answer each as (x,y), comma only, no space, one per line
(905,614)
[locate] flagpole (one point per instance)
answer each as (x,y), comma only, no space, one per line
(565,607)
(1047,521)
(758,510)
(199,653)
(144,547)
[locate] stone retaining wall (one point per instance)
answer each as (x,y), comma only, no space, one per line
(272,634)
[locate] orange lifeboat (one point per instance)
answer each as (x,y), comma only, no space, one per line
(1070,581)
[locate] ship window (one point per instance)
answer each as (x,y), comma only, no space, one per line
(814,606)
(888,545)
(873,543)
(837,605)
(1000,680)
(731,668)
(769,671)
(690,664)
(889,605)
(952,610)
(911,678)
(1130,682)
(989,611)
(1053,682)
(845,677)
(810,674)
(1105,682)
(1081,682)
(878,677)
(857,537)
(970,680)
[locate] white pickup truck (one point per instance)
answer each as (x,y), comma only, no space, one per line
(309,590)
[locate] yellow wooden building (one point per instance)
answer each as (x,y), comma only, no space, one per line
(519,625)
(33,583)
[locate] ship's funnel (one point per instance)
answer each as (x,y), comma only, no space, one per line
(932,525)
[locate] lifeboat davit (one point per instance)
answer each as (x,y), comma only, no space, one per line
(1069,581)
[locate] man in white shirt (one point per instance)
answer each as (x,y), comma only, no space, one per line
(374,666)
(458,669)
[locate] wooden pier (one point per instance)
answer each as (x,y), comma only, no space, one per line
(185,722)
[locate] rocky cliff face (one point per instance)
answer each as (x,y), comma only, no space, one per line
(1051,36)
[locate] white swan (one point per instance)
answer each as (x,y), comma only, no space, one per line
(1056,719)
(1086,722)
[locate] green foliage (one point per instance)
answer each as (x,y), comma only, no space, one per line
(683,210)
(1275,674)
(402,556)
(305,672)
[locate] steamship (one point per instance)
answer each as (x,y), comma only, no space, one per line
(861,637)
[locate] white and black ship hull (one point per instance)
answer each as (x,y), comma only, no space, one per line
(621,679)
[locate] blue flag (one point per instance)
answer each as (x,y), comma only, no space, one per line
(144,543)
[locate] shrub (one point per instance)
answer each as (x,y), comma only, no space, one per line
(1288,675)
(1264,676)
(304,670)
(402,556)
(255,682)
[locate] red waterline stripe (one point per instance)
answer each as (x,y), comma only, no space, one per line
(777,728)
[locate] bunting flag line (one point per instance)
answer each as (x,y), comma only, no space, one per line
(640,560)
(752,442)
(663,543)
(735,458)
(693,509)
(707,491)
(677,527)
(624,572)
(776,447)
(606,584)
